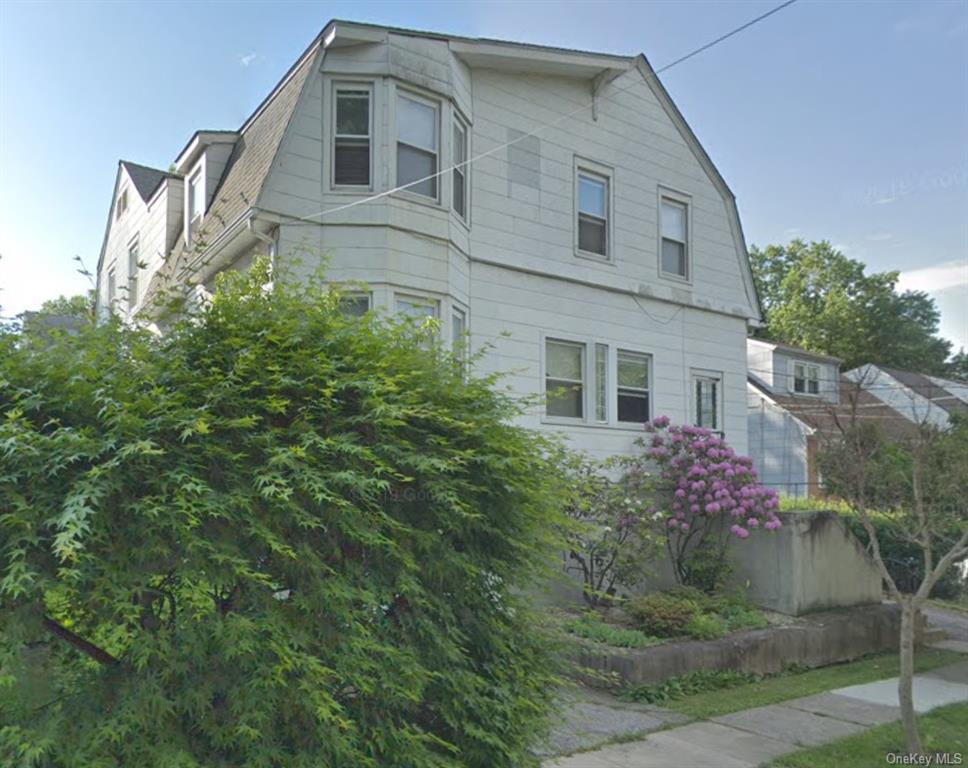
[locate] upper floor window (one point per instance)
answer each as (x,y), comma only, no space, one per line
(460,168)
(112,289)
(416,306)
(458,327)
(196,197)
(633,386)
(806,379)
(417,145)
(354,304)
(565,378)
(122,204)
(133,273)
(706,393)
(351,137)
(592,213)
(674,227)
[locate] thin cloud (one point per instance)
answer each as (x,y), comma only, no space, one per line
(247,59)
(938,277)
(879,237)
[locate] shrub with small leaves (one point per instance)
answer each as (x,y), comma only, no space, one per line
(276,536)
(662,614)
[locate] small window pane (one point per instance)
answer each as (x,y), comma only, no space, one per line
(413,306)
(417,124)
(633,370)
(592,235)
(133,274)
(458,322)
(633,407)
(563,360)
(673,258)
(674,221)
(601,382)
(564,399)
(591,196)
(195,203)
(351,163)
(414,166)
(354,306)
(353,113)
(707,402)
(460,177)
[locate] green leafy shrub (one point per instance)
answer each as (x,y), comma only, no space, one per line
(687,685)
(706,626)
(591,627)
(276,536)
(662,614)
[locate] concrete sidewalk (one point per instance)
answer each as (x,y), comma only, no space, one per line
(755,736)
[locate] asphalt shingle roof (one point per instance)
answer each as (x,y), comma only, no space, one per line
(145,179)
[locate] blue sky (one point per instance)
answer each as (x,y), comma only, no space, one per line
(845,121)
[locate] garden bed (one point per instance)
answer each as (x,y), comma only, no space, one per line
(815,640)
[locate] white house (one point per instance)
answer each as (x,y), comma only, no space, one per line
(920,398)
(799,402)
(556,206)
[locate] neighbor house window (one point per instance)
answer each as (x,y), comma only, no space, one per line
(416,306)
(565,378)
(460,169)
(674,227)
(806,379)
(196,203)
(351,137)
(458,327)
(633,386)
(592,213)
(122,205)
(133,273)
(112,289)
(706,392)
(354,304)
(417,145)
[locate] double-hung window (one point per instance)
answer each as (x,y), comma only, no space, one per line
(633,386)
(565,379)
(460,169)
(706,394)
(806,379)
(351,136)
(674,226)
(122,204)
(133,273)
(196,202)
(593,214)
(112,289)
(458,328)
(417,145)
(417,307)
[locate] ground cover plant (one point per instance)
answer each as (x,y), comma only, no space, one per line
(686,611)
(276,536)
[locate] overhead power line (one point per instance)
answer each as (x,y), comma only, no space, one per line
(311,218)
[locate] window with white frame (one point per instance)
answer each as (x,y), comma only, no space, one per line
(133,272)
(632,386)
(196,201)
(417,307)
(122,204)
(707,406)
(674,228)
(592,213)
(458,328)
(806,378)
(354,304)
(351,136)
(564,379)
(417,145)
(601,383)
(460,169)
(112,288)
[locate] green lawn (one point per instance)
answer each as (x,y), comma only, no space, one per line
(943,730)
(793,685)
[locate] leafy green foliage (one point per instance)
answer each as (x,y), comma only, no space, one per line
(590,626)
(688,685)
(815,297)
(276,536)
(689,611)
(663,614)
(706,626)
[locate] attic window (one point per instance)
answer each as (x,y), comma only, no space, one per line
(351,145)
(674,237)
(122,204)
(196,198)
(806,379)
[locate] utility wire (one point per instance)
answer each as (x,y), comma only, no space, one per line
(310,219)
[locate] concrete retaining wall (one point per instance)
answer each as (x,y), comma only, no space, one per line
(823,638)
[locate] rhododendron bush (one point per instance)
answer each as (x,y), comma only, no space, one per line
(706,493)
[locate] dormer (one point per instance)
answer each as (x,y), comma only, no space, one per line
(792,371)
(202,163)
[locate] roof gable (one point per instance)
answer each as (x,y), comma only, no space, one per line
(144,179)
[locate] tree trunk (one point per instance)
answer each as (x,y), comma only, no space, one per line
(905,683)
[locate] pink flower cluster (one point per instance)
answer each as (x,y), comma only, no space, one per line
(707,477)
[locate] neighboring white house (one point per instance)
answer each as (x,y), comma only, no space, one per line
(920,398)
(798,402)
(584,233)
